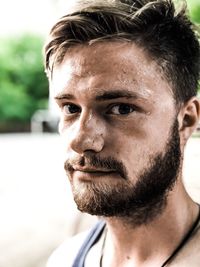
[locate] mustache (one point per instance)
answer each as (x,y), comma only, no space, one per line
(95,161)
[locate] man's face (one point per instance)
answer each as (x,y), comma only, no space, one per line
(120,131)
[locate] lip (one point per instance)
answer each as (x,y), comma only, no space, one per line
(90,174)
(88,169)
(94,171)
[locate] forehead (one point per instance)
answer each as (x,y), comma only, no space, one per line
(108,65)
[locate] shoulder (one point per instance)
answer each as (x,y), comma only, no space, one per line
(65,254)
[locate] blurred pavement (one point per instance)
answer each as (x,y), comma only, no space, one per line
(37,211)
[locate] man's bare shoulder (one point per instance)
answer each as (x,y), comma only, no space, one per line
(65,254)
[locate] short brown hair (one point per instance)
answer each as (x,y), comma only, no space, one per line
(167,36)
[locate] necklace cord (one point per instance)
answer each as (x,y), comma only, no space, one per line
(184,241)
(174,253)
(102,248)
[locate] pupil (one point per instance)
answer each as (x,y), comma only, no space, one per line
(124,109)
(73,109)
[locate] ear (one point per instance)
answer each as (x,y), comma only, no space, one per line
(188,118)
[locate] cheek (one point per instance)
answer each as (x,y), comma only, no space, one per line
(128,133)
(131,147)
(127,129)
(134,153)
(159,132)
(137,143)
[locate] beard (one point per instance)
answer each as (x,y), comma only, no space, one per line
(140,201)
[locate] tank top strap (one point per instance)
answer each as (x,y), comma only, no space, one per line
(92,237)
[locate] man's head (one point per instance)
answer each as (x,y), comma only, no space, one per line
(165,35)
(124,74)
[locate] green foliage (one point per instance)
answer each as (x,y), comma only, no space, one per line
(23,85)
(194,10)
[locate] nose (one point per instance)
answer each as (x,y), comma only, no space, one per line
(87,134)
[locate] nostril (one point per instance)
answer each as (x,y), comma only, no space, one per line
(87,134)
(84,142)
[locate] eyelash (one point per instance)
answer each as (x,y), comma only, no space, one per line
(72,105)
(132,107)
(109,111)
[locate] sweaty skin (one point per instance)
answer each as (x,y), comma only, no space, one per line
(114,102)
(87,73)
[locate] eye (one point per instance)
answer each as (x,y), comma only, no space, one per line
(121,109)
(71,109)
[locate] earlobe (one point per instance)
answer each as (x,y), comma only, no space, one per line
(189,116)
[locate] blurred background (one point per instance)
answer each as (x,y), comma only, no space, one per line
(37,210)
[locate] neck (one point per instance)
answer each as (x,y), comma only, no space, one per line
(152,243)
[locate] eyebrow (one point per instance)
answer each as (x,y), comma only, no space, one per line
(104,96)
(116,94)
(64,96)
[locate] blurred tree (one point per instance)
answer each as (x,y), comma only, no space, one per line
(23,85)
(194,10)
